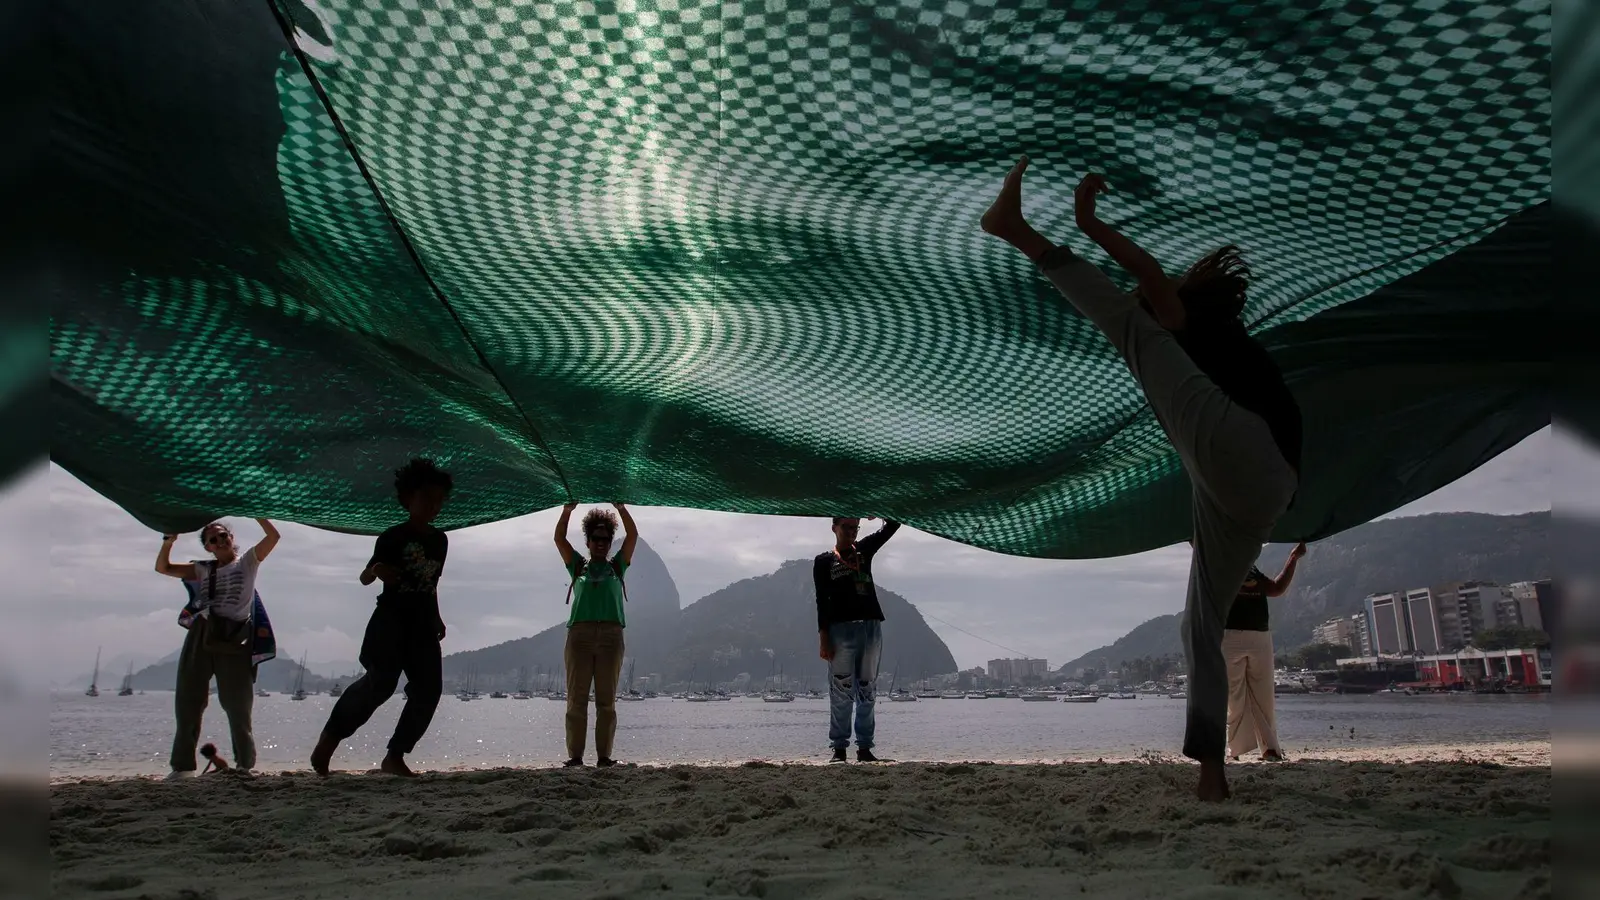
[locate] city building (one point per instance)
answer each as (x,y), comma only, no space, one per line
(1361,625)
(1390,634)
(1341,631)
(1014,671)
(1422,621)
(1472,666)
(1531,598)
(1480,606)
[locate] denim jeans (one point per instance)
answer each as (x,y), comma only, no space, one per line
(852,675)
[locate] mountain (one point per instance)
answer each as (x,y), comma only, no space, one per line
(1339,572)
(769,623)
(276,675)
(653,614)
(756,626)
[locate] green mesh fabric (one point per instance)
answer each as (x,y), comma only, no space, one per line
(726,255)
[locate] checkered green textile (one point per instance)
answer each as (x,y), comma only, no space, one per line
(726,255)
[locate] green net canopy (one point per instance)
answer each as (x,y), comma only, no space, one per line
(725,255)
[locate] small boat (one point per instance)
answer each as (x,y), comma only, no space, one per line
(952,695)
(262,692)
(1081,698)
(94,680)
(336,690)
(300,682)
(1122,696)
(927,695)
(777,697)
(127,683)
(630,696)
(1032,697)
(498,695)
(696,698)
(977,695)
(522,695)
(1178,695)
(902,696)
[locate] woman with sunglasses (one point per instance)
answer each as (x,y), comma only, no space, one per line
(219,641)
(594,629)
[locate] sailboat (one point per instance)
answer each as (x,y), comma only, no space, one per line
(630,693)
(94,681)
(300,681)
(522,685)
(127,683)
(899,695)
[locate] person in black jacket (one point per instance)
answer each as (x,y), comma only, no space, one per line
(850,628)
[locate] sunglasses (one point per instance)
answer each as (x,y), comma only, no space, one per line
(221,537)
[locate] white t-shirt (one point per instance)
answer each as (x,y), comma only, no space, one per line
(236,586)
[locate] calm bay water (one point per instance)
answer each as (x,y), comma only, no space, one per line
(112,735)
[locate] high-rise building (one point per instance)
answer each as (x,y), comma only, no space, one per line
(1390,634)
(1341,631)
(1530,597)
(1479,607)
(1361,625)
(1014,671)
(1422,619)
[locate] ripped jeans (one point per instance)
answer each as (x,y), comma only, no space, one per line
(852,673)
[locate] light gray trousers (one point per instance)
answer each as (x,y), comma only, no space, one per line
(1241,482)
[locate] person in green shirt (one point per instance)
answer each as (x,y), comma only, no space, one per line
(594,629)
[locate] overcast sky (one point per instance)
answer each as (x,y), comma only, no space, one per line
(80,575)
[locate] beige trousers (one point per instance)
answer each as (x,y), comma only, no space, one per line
(594,657)
(1252,721)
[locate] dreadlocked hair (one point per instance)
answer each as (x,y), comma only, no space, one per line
(1214,287)
(599,520)
(417,474)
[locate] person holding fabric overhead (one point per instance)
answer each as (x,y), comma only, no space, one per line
(1247,648)
(1222,402)
(594,650)
(406,629)
(850,629)
(219,641)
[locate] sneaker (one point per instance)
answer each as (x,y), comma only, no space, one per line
(865,755)
(573,763)
(839,755)
(180,774)
(605,762)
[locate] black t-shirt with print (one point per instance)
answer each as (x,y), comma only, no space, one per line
(417,556)
(845,591)
(1249,612)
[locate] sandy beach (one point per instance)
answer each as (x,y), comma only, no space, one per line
(1418,822)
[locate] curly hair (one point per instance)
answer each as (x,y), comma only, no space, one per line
(1215,286)
(417,474)
(599,520)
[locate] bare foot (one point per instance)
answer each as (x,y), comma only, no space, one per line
(395,764)
(322,755)
(1213,785)
(1004,217)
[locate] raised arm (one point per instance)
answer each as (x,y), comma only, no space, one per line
(1154,285)
(630,534)
(166,566)
(1280,585)
(872,542)
(265,545)
(562,544)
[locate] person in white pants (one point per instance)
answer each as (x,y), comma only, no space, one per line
(1220,399)
(1247,649)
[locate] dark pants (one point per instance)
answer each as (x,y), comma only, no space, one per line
(399,639)
(235,691)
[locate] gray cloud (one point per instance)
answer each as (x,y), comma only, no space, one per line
(80,575)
